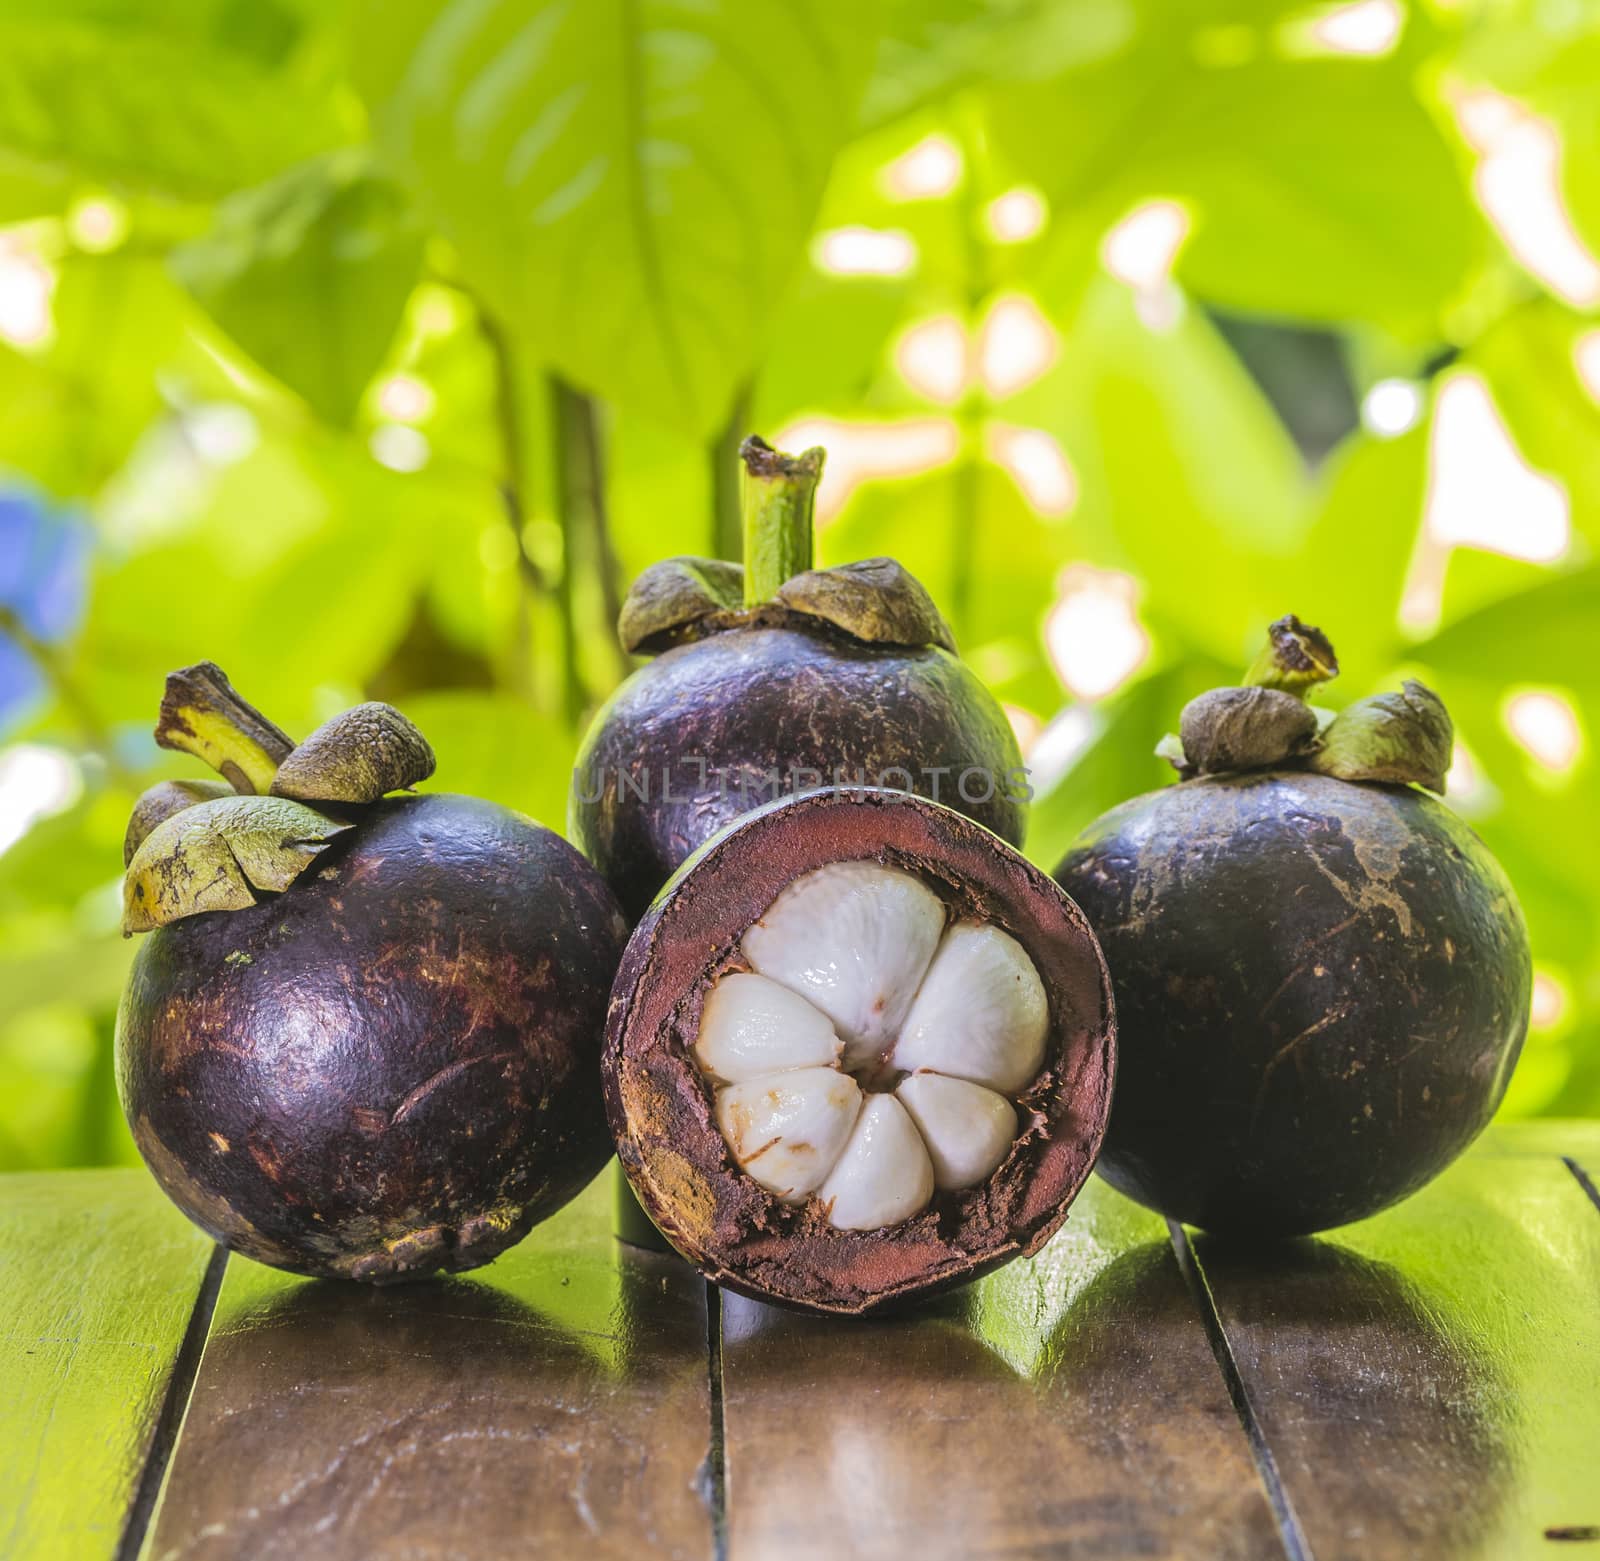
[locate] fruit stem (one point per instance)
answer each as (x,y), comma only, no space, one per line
(202,714)
(1295,658)
(777,493)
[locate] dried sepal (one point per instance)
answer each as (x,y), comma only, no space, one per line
(670,600)
(1296,657)
(876,600)
(1403,739)
(1230,729)
(160,802)
(356,758)
(201,714)
(216,856)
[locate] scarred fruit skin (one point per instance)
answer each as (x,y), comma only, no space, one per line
(1322,988)
(393,1067)
(660,1105)
(736,719)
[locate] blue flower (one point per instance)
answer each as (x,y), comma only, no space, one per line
(44,555)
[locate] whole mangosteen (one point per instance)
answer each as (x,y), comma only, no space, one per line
(858,1050)
(1322,975)
(362,1037)
(775,678)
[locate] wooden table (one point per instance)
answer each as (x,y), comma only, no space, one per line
(1424,1383)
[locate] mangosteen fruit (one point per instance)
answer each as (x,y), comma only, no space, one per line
(775,678)
(1322,975)
(362,1036)
(859,1050)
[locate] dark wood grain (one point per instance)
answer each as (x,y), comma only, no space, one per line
(555,1403)
(1067,1405)
(98,1277)
(1429,1380)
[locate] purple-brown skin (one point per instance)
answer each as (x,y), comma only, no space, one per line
(660,1106)
(393,1067)
(1322,988)
(797,696)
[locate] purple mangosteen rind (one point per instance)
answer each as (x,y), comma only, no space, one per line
(1322,974)
(659,1105)
(391,1068)
(769,673)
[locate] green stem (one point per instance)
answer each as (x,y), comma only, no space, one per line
(202,714)
(777,494)
(1295,659)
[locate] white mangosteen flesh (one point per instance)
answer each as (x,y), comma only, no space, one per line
(875,1050)
(854,939)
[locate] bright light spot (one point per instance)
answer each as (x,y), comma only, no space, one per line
(437,311)
(1546,726)
(1035,461)
(864,252)
(861,452)
(35,782)
(1481,493)
(1550,1001)
(1369,27)
(221,433)
(399,448)
(1392,407)
(26,284)
(932,358)
(497,549)
(405,398)
(930,169)
(1518,185)
(1586,359)
(1141,249)
(1093,634)
(97,224)
(1015,346)
(1062,743)
(1016,216)
(1025,725)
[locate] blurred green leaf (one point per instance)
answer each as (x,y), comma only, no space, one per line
(1543,635)
(630,185)
(310,275)
(1187,477)
(174,97)
(1319,187)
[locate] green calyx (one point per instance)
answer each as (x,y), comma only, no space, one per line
(685,599)
(1403,738)
(197,846)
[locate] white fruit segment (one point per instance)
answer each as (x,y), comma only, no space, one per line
(884,1175)
(786,1129)
(981,1013)
(751,1025)
(968,1129)
(853,938)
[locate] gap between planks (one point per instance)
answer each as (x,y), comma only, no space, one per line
(1290,1533)
(716,1481)
(174,1405)
(1583,1180)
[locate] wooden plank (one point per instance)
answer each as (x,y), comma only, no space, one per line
(1066,1404)
(99,1276)
(554,1403)
(1428,1380)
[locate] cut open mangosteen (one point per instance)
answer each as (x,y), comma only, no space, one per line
(859,1050)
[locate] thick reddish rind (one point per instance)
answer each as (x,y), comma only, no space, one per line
(661,1108)
(391,1068)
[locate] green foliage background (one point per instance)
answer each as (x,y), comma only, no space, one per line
(585,226)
